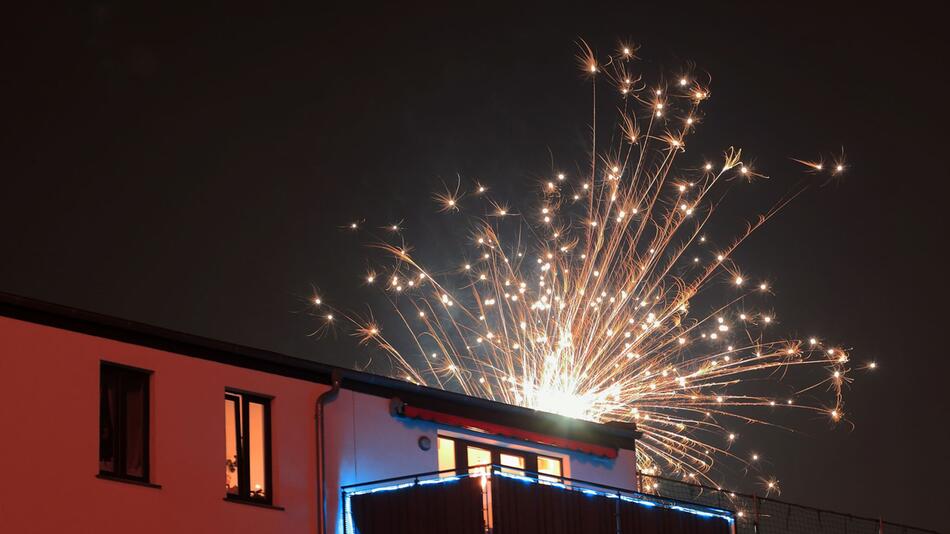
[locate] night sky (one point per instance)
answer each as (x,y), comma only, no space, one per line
(191,169)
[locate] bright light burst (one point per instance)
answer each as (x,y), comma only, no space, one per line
(579,303)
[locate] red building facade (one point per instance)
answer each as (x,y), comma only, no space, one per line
(112,426)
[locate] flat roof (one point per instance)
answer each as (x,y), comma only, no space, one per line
(621,435)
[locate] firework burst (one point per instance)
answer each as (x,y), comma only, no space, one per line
(580,303)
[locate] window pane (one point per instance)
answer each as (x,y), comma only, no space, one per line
(446,456)
(512,460)
(232,414)
(478,456)
(549,466)
(107,420)
(255,449)
(123,421)
(135,417)
(247,446)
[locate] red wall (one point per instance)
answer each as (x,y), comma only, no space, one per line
(49,426)
(49,412)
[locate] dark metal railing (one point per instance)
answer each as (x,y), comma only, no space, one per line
(765,515)
(487,471)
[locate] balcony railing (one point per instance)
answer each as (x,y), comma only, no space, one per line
(765,515)
(502,500)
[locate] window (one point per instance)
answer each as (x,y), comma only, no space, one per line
(247,447)
(446,457)
(512,460)
(478,456)
(465,456)
(123,422)
(549,466)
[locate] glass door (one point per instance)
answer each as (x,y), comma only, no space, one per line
(472,457)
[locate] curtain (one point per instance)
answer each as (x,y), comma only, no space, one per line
(134,426)
(107,422)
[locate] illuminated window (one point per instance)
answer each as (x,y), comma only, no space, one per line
(247,446)
(512,460)
(549,466)
(457,455)
(446,456)
(478,456)
(123,421)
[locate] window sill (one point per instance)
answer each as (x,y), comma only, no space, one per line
(239,500)
(106,476)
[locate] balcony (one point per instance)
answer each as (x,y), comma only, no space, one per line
(501,500)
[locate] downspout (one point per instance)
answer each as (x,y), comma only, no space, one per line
(325,397)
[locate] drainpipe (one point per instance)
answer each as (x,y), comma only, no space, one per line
(325,397)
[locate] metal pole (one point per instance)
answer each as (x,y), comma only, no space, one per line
(617,514)
(755,517)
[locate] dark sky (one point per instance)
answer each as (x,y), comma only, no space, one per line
(190,169)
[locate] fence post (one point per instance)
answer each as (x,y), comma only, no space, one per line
(755,513)
(617,515)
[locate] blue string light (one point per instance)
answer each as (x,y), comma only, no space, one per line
(350,526)
(643,502)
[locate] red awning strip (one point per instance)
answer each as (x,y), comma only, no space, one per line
(507,431)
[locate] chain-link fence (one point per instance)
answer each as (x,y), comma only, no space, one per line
(762,515)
